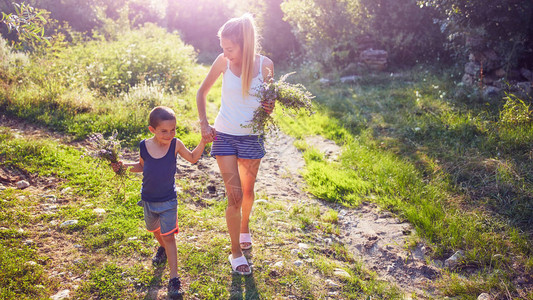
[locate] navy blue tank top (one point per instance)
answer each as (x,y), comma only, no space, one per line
(158,175)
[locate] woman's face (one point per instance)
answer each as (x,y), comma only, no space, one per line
(232,51)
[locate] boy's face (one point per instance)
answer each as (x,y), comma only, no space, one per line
(164,132)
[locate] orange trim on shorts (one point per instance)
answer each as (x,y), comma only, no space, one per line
(154,230)
(176,230)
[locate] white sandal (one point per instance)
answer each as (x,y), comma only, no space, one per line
(245,238)
(237,262)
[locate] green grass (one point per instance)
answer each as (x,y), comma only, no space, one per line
(102,86)
(448,166)
(115,249)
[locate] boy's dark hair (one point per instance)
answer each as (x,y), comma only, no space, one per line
(161,113)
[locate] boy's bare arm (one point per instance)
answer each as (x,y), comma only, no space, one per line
(191,156)
(133,167)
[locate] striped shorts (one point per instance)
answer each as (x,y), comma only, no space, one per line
(242,146)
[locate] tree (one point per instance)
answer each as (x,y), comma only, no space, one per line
(29,23)
(198,22)
(335,32)
(277,38)
(505,26)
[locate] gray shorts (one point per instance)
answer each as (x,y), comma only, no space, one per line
(161,216)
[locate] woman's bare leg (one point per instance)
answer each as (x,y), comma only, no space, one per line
(248,169)
(230,174)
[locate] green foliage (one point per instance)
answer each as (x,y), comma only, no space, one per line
(67,89)
(184,16)
(277,40)
(29,23)
(402,28)
(444,166)
(148,55)
(477,25)
(21,277)
(107,283)
(11,61)
(515,112)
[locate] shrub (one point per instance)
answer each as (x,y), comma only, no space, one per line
(148,55)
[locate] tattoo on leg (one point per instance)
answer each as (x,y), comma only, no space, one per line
(234,194)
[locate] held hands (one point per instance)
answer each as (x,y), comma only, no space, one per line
(208,133)
(268,106)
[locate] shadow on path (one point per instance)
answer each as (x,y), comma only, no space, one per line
(155,284)
(243,287)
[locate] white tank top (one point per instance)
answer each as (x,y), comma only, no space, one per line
(236,111)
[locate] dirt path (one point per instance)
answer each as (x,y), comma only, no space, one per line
(377,237)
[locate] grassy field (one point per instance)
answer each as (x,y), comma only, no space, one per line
(456,167)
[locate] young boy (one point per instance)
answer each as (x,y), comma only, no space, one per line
(157,162)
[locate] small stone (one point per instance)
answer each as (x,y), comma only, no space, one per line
(331,283)
(497,256)
(2,187)
(78,261)
(341,273)
(350,79)
(78,246)
(69,223)
(261,201)
(99,211)
(29,242)
(387,214)
(133,238)
(279,264)
(192,237)
(303,246)
(276,211)
(212,189)
(454,260)
(298,263)
(484,296)
(66,190)
(328,241)
(61,295)
(390,268)
(490,91)
(22,184)
(295,252)
(323,80)
(31,263)
(51,198)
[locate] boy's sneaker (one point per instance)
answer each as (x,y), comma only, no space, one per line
(174,288)
(160,257)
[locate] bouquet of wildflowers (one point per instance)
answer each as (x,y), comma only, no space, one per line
(107,149)
(291,97)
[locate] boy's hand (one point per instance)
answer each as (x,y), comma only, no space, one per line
(208,133)
(118,167)
(206,140)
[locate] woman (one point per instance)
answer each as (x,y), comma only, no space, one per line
(237,150)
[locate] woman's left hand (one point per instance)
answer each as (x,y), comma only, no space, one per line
(268,106)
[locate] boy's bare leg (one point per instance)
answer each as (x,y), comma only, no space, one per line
(172,254)
(158,237)
(230,174)
(248,169)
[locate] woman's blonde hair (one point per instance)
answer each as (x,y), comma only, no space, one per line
(242,31)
